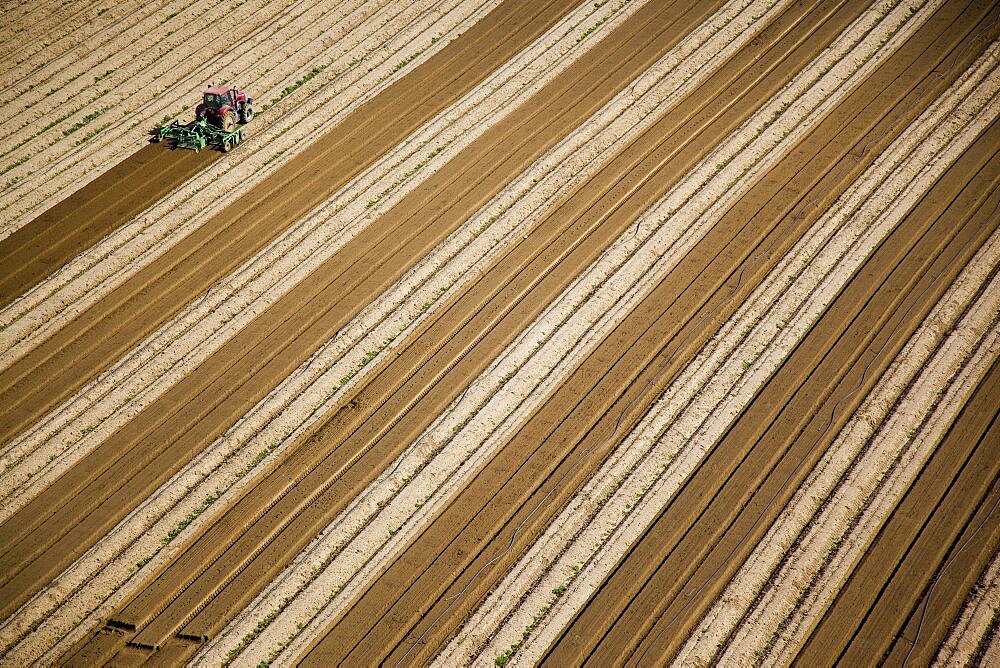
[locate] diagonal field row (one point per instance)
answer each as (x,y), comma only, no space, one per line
(433,548)
(697,537)
(216,540)
(66,488)
(665,332)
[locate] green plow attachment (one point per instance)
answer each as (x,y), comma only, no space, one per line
(199,134)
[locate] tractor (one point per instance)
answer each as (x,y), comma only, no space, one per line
(218,120)
(224,106)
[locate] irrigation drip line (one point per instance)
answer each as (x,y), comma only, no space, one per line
(968,541)
(755,259)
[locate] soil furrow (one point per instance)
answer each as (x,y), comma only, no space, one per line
(429,545)
(413,366)
(699,533)
(71,36)
(42,247)
(515,264)
(83,348)
(955,486)
(472,73)
(210,402)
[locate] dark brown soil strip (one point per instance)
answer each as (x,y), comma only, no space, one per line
(47,243)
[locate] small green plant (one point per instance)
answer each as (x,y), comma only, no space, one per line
(83,121)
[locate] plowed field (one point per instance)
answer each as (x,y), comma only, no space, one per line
(635,332)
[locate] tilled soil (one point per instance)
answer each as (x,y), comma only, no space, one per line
(579,484)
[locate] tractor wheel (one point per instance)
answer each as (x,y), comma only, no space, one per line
(247,115)
(226,146)
(229,122)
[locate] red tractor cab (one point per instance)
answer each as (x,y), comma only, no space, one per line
(224,107)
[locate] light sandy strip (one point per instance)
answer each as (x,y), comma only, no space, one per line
(922,389)
(473,433)
(978,618)
(141,50)
(20,18)
(82,422)
(620,502)
(574,25)
(363,63)
(72,49)
(623,110)
(55,36)
(105,404)
(991,655)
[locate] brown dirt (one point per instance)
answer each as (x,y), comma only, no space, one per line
(188,269)
(905,590)
(42,247)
